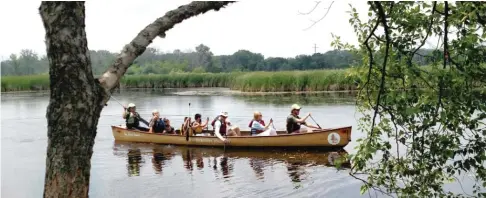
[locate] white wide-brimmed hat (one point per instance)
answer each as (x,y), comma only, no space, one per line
(224,114)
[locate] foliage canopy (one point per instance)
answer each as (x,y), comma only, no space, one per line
(424,127)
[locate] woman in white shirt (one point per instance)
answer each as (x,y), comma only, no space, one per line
(258,128)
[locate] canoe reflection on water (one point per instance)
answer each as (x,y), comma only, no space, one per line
(222,161)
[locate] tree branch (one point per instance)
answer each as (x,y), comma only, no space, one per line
(445,58)
(429,30)
(382,15)
(315,22)
(137,46)
(315,6)
(370,53)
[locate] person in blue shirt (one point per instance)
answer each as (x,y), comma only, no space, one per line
(258,128)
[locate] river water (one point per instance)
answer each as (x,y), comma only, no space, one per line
(148,170)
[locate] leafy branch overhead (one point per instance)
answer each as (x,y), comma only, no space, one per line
(424,125)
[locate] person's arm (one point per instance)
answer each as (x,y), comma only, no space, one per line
(141,119)
(205,124)
(310,125)
(258,126)
(195,125)
(151,124)
(302,120)
(269,123)
(217,125)
(125,113)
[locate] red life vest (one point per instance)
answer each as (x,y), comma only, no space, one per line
(222,128)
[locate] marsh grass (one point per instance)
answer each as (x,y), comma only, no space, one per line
(281,81)
(25,83)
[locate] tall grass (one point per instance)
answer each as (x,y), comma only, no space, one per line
(310,80)
(282,81)
(179,80)
(25,83)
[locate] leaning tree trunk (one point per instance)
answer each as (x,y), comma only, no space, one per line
(74,106)
(77,98)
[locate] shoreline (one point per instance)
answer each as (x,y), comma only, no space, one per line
(304,81)
(223,90)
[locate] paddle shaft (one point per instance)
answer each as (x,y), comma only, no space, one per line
(315,122)
(188,127)
(273,124)
(117,101)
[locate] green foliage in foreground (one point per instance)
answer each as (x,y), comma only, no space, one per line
(417,141)
(312,80)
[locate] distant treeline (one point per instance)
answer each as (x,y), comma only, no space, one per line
(199,61)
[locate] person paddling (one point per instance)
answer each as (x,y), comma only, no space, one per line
(294,122)
(258,126)
(132,118)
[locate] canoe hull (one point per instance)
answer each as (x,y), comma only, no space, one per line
(338,137)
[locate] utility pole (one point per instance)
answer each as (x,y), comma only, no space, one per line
(315,48)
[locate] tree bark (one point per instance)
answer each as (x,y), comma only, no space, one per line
(76,98)
(73,111)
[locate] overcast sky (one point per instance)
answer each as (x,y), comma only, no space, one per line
(273,28)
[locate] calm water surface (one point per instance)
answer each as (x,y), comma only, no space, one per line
(147,170)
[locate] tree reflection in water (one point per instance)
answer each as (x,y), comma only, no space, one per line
(296,162)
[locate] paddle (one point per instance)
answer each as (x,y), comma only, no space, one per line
(207,125)
(315,122)
(117,101)
(273,125)
(187,128)
(140,118)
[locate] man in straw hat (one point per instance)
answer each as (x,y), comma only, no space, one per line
(222,127)
(294,122)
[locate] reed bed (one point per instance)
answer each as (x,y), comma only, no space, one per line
(25,83)
(281,81)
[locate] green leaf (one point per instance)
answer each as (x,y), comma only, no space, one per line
(363,189)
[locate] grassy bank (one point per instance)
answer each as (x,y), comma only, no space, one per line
(312,80)
(25,83)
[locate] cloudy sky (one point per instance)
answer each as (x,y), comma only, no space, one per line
(273,28)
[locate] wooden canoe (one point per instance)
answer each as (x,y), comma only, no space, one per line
(332,138)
